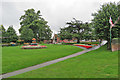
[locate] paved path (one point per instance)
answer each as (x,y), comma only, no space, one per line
(46,63)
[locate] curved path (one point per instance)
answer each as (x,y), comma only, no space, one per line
(49,62)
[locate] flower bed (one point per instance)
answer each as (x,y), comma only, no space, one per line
(26,44)
(86,46)
(33,47)
(95,44)
(13,44)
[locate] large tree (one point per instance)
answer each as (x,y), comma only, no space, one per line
(11,34)
(36,23)
(101,21)
(118,23)
(75,29)
(89,33)
(29,16)
(27,34)
(65,33)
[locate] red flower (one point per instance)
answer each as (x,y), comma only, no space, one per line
(86,46)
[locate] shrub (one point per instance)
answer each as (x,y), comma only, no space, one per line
(41,42)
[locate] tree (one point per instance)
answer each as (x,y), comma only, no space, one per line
(36,23)
(119,18)
(75,29)
(28,18)
(101,21)
(26,34)
(118,13)
(2,29)
(41,30)
(44,33)
(11,34)
(89,32)
(65,33)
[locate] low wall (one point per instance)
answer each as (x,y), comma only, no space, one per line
(115,45)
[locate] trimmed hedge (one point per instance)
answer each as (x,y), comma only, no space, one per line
(115,40)
(89,42)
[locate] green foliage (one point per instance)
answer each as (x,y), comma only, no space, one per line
(28,18)
(11,35)
(116,38)
(75,29)
(36,23)
(90,32)
(65,33)
(41,42)
(118,13)
(101,21)
(89,42)
(2,29)
(44,31)
(26,34)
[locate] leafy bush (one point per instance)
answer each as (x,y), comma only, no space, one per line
(41,42)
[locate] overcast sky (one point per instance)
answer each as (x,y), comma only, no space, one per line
(56,12)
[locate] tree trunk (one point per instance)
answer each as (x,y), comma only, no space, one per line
(78,40)
(100,41)
(108,45)
(91,40)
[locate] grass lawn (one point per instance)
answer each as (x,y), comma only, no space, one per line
(15,58)
(99,63)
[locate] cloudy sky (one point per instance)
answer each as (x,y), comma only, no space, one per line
(56,12)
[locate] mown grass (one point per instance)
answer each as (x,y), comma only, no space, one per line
(100,63)
(15,58)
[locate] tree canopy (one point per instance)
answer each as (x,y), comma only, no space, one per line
(3,33)
(36,23)
(75,29)
(11,34)
(101,21)
(27,34)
